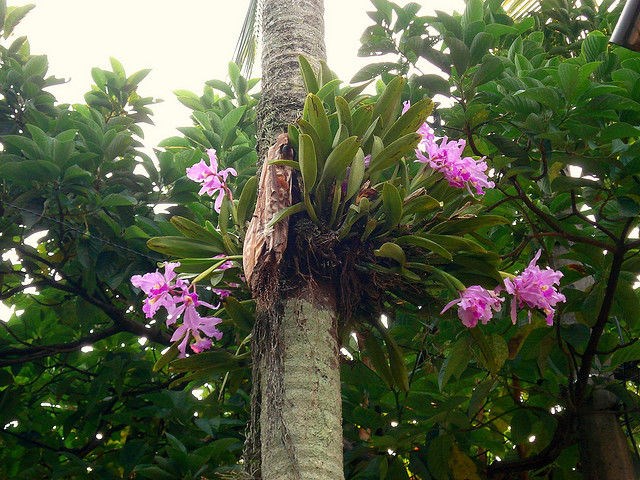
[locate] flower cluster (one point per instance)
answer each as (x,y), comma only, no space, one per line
(476,303)
(179,299)
(446,158)
(214,181)
(534,288)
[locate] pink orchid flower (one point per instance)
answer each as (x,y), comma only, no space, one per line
(214,181)
(476,303)
(534,288)
(194,326)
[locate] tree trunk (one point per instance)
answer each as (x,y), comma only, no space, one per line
(604,450)
(296,423)
(301,420)
(289,28)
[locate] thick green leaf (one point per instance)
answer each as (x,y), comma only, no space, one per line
(240,315)
(375,354)
(393,251)
(344,113)
(392,205)
(194,231)
(409,121)
(490,69)
(455,362)
(394,152)
(479,396)
(247,200)
(492,350)
(388,104)
(460,54)
(308,75)
(630,353)
(183,247)
(316,115)
(118,200)
(372,70)
(339,159)
(285,213)
(13,18)
(396,360)
(356,175)
(426,244)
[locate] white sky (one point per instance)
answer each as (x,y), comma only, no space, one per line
(185,43)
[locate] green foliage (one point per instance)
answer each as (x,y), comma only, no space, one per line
(79,392)
(538,97)
(425,398)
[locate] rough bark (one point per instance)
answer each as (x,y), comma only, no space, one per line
(604,450)
(296,424)
(301,430)
(289,28)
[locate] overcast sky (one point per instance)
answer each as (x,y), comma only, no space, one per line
(185,43)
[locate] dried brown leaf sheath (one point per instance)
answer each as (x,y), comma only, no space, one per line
(264,247)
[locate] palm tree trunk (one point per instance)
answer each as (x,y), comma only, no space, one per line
(604,450)
(289,28)
(296,426)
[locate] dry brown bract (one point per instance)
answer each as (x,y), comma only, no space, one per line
(264,246)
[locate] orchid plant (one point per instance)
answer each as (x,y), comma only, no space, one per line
(375,174)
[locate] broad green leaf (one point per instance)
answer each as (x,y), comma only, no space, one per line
(232,119)
(168,357)
(629,353)
(222,86)
(396,361)
(374,352)
(392,205)
(308,162)
(328,91)
(356,175)
(242,317)
(339,159)
(135,78)
(479,396)
(194,231)
(393,251)
(36,66)
(480,46)
(410,121)
(466,225)
(462,467)
(285,213)
(316,115)
(426,244)
(373,70)
(326,75)
(344,113)
(118,200)
(492,350)
(388,104)
(394,152)
(308,75)
(308,129)
(3,12)
(183,247)
(421,205)
(247,200)
(490,69)
(460,54)
(593,45)
(13,18)
(456,361)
